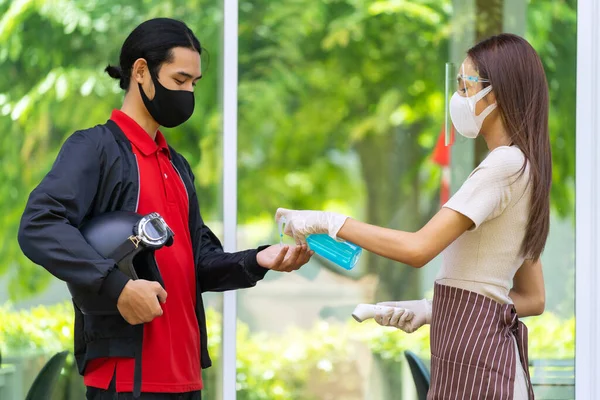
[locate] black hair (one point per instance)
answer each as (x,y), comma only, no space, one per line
(153,41)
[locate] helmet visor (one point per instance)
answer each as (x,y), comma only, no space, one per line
(153,230)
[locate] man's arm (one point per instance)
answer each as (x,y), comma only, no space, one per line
(49,234)
(218,270)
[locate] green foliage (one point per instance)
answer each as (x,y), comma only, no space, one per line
(339,105)
(551,337)
(315,88)
(51,62)
(552,29)
(295,365)
(41,328)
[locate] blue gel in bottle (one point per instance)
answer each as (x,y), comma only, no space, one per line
(344,254)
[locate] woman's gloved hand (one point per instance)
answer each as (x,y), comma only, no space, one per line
(300,224)
(406,315)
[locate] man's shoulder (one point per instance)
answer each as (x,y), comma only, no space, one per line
(98,135)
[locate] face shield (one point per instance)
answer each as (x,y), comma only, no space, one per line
(450,89)
(463,90)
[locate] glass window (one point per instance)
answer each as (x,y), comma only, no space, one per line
(342,108)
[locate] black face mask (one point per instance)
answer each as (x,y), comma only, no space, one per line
(168,107)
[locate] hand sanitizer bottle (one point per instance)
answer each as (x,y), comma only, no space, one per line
(344,254)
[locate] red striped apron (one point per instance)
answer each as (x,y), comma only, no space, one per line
(472,346)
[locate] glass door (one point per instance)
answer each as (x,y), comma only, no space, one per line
(341,107)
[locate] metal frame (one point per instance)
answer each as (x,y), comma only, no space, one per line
(587,203)
(230,82)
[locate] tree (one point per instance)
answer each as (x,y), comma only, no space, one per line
(552,30)
(376,115)
(345,81)
(52,59)
(340,103)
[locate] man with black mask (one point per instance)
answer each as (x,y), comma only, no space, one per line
(127,165)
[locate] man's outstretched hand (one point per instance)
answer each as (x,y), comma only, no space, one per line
(284,258)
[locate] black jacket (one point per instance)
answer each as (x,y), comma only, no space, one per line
(96,172)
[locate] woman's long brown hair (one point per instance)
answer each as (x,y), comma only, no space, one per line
(517,76)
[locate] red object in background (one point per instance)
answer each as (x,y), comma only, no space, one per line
(441,152)
(445,186)
(441,156)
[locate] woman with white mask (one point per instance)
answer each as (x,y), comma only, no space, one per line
(492,231)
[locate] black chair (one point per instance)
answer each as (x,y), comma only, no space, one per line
(44,382)
(420,374)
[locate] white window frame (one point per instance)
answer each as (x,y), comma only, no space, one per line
(230,83)
(587,203)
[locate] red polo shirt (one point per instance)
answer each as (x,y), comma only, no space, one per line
(171,348)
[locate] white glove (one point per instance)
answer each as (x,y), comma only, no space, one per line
(406,315)
(300,224)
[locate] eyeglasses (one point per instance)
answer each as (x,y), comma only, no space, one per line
(471,78)
(462,79)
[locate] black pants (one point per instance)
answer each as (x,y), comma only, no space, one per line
(93,393)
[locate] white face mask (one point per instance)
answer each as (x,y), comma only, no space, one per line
(462,113)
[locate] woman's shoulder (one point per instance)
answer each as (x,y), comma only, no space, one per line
(509,159)
(504,154)
(502,163)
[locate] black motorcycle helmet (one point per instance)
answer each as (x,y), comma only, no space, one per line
(131,240)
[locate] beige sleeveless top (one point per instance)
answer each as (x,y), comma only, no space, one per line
(496,197)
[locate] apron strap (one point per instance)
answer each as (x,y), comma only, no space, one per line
(519,330)
(522,344)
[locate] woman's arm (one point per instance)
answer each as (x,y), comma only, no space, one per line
(414,249)
(528,292)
